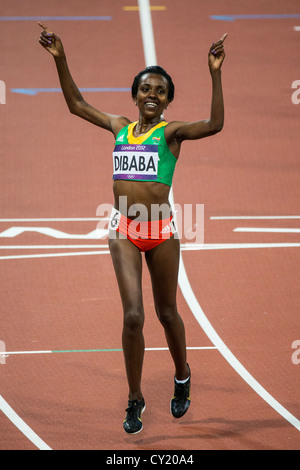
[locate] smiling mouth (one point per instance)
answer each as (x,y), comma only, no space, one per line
(151,105)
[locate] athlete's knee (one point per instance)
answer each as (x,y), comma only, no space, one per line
(167,314)
(134,319)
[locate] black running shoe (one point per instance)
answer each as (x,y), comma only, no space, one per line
(181,399)
(132,424)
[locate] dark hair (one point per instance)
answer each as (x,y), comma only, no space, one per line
(156,69)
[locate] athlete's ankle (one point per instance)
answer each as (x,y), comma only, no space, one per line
(135,396)
(183,375)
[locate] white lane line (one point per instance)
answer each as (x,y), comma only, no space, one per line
(297,28)
(21,353)
(184,247)
(97,219)
(13,232)
(41,219)
(147,32)
(266,230)
(56,255)
(13,353)
(234,246)
(256,217)
(197,310)
(22,426)
(48,247)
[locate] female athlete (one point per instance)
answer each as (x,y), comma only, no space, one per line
(144,159)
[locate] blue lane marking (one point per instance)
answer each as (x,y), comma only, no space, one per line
(55,18)
(36,91)
(253,17)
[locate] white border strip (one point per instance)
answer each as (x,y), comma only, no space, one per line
(22,426)
(190,296)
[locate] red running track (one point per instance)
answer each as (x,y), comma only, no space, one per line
(55,166)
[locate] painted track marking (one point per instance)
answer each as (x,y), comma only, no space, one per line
(36,91)
(256,217)
(61,351)
(55,18)
(56,219)
(255,17)
(22,426)
(267,230)
(184,247)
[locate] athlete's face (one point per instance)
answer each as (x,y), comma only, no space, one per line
(152,95)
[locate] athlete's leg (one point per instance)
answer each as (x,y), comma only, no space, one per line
(128,268)
(163,264)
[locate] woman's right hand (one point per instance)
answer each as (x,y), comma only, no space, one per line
(51,42)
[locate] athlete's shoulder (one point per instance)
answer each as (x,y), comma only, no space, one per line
(119,123)
(172,128)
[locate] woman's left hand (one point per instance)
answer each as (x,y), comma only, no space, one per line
(216,54)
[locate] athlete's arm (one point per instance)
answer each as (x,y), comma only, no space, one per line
(75,101)
(180,131)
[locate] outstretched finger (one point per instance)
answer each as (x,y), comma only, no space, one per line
(45,28)
(221,40)
(224,37)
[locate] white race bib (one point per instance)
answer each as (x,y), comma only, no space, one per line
(135,162)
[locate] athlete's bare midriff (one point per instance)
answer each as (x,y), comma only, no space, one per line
(147,194)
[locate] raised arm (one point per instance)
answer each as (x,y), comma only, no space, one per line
(177,132)
(75,101)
